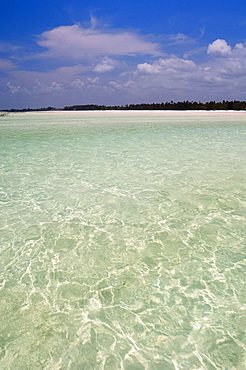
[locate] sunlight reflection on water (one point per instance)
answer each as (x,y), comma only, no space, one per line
(122,241)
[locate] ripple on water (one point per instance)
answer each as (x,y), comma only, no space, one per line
(122,243)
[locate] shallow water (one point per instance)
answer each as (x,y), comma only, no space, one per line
(122,241)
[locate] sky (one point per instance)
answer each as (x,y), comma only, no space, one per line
(117,52)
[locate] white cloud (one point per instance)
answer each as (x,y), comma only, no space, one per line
(124,85)
(13,89)
(6,65)
(63,76)
(219,47)
(5,47)
(75,42)
(17,89)
(165,75)
(154,68)
(115,85)
(240,46)
(166,65)
(78,84)
(233,63)
(177,79)
(181,38)
(165,78)
(106,65)
(42,88)
(94,80)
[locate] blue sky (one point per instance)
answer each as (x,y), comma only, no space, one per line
(57,53)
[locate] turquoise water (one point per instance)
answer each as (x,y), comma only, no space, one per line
(122,241)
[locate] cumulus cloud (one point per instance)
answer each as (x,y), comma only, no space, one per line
(177,78)
(105,80)
(219,47)
(13,89)
(124,85)
(17,89)
(233,63)
(76,42)
(106,65)
(78,84)
(167,74)
(239,46)
(166,65)
(94,80)
(42,88)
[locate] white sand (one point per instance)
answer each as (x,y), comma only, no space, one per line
(201,113)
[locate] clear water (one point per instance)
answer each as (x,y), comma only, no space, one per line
(122,241)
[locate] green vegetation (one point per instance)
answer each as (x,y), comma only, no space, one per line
(185,105)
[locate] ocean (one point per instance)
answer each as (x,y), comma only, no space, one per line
(122,240)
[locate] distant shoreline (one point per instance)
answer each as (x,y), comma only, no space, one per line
(234,105)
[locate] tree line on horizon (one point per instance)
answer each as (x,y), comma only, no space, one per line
(184,105)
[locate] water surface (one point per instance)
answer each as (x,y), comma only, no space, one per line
(122,241)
